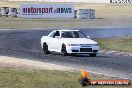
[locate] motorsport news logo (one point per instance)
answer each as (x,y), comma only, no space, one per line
(46,10)
(85,81)
(121,1)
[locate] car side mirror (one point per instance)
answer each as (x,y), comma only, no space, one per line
(58,37)
(88,37)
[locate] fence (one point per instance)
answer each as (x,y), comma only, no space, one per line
(85,14)
(81,13)
(8,12)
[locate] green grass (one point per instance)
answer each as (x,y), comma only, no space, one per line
(37,79)
(45,79)
(18,23)
(118,44)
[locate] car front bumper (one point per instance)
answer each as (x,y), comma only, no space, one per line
(82,50)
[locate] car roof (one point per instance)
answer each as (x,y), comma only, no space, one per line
(66,30)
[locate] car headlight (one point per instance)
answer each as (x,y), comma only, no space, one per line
(74,44)
(95,44)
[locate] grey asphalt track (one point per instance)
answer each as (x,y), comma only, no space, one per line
(26,44)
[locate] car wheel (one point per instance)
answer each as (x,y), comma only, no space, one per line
(63,50)
(45,48)
(92,54)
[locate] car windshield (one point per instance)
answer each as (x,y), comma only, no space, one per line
(73,34)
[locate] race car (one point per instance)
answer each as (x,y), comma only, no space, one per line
(67,41)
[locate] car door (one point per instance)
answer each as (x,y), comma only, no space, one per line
(55,42)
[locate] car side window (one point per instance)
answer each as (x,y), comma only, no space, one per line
(56,34)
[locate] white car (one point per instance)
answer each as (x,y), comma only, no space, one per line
(69,42)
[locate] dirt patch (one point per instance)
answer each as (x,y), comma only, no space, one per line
(25,64)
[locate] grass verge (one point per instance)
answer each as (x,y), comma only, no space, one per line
(118,44)
(45,79)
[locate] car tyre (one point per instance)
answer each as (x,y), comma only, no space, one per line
(45,48)
(92,54)
(63,50)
